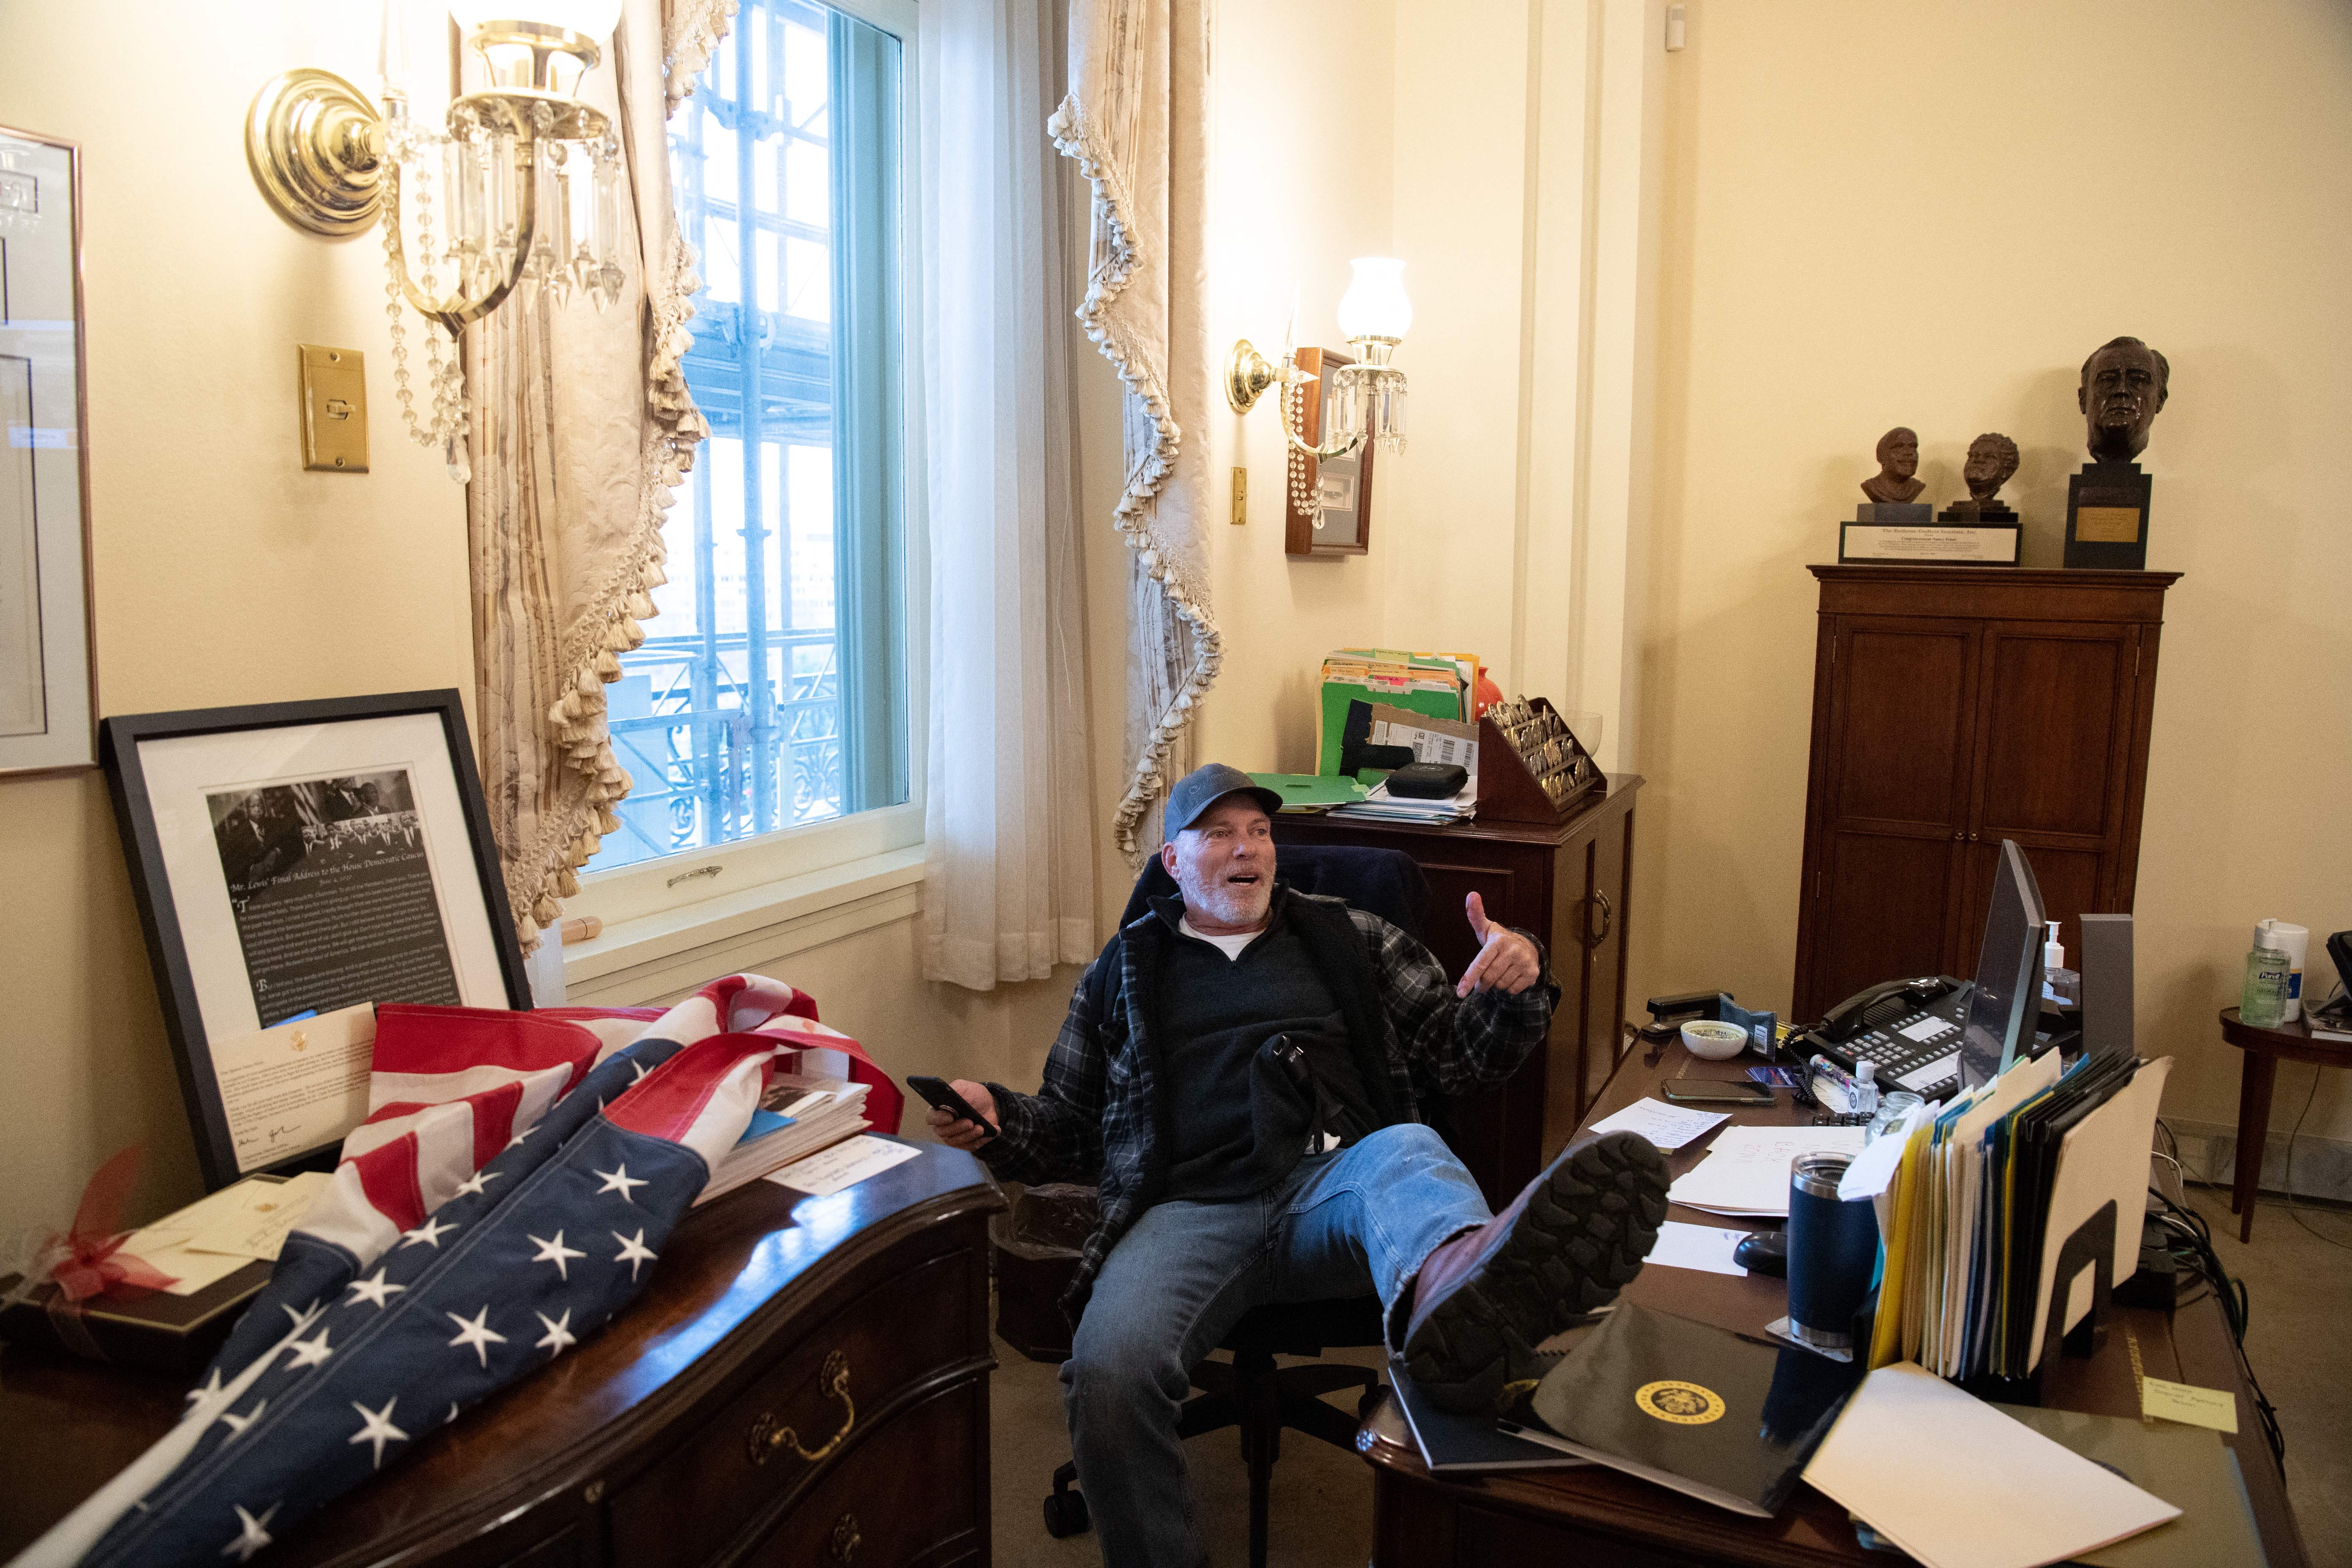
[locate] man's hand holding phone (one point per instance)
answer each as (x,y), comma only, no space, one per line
(953,1108)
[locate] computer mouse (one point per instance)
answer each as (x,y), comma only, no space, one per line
(1764,1252)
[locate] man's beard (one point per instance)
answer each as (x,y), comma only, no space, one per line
(1225,902)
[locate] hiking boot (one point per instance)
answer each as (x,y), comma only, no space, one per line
(1571,1239)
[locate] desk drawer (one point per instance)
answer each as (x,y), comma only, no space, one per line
(908,1497)
(798,1415)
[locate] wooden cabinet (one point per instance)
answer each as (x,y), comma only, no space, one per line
(1953,707)
(804,1381)
(1571,886)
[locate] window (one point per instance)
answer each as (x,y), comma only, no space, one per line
(772,690)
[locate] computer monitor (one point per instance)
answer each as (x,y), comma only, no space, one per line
(2008,997)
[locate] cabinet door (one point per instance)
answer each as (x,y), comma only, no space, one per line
(1902,717)
(1602,913)
(2053,769)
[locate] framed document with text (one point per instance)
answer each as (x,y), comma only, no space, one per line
(296,863)
(47,681)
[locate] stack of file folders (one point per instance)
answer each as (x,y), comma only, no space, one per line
(799,1114)
(1986,1194)
(1435,684)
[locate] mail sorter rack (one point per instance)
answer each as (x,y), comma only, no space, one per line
(1509,790)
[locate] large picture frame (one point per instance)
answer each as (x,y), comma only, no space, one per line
(291,861)
(48,671)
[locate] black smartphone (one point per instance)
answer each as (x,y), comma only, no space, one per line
(937,1091)
(1714,1091)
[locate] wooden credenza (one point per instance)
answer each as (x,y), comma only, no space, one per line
(1573,886)
(1953,707)
(859,1322)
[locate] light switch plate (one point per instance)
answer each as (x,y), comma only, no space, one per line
(334,410)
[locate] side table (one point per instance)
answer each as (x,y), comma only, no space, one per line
(2265,1048)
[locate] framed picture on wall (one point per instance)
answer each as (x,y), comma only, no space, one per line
(295,864)
(47,683)
(1327,505)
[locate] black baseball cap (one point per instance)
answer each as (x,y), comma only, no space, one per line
(1204,786)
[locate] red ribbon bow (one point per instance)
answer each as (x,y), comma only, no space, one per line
(89,1259)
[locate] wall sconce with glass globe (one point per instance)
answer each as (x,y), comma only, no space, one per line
(520,189)
(1367,396)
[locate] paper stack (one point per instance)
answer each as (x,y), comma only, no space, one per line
(1436,686)
(1747,1173)
(800,1114)
(1379,805)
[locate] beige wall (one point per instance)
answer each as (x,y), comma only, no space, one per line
(224,573)
(1928,214)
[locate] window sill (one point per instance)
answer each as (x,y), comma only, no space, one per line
(655,956)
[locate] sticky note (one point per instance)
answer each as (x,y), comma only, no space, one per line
(2197,1406)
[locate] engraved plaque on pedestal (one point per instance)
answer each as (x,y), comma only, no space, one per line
(2107,517)
(1866,543)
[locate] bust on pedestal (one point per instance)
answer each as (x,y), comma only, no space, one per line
(2125,384)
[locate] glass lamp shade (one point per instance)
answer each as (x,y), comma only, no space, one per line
(1375,305)
(593,18)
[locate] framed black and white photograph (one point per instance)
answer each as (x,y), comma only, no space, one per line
(47,691)
(295,864)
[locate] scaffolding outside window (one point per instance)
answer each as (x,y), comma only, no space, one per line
(771,692)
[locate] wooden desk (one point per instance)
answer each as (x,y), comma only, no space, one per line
(1600,1517)
(1571,884)
(633,1449)
(2265,1048)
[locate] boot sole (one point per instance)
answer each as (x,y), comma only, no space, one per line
(1580,1239)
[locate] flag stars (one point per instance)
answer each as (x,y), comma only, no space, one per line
(517,1141)
(373,1291)
(211,1386)
(555,1252)
(476,1331)
(559,1335)
(430,1232)
(618,1180)
(238,1424)
(308,1352)
(637,1067)
(253,1534)
(634,1250)
(477,1184)
(377,1427)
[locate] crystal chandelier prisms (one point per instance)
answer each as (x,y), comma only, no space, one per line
(518,192)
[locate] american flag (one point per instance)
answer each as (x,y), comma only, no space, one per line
(511,1190)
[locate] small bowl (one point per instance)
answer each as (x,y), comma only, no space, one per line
(1714,1042)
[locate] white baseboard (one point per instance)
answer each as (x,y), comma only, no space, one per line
(2323,1166)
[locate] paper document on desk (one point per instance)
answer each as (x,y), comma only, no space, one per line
(213,1237)
(1747,1174)
(1957,1484)
(1668,1127)
(1431,740)
(1701,1246)
(843,1165)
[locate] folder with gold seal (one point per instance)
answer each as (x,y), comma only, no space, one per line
(1728,1418)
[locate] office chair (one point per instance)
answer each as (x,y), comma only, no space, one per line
(1250,1392)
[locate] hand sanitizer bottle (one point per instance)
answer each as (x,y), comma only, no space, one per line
(2261,1004)
(1866,1088)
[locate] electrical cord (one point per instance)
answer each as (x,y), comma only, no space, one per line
(2190,1242)
(2301,1211)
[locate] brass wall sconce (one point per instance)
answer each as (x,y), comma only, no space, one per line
(493,204)
(1367,396)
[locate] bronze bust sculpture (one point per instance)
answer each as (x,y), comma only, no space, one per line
(1992,463)
(1896,483)
(2125,384)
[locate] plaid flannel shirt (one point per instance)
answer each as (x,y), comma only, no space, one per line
(1095,1117)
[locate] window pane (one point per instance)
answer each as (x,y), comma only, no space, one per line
(808,195)
(771,689)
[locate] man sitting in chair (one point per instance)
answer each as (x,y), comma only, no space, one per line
(1243,1076)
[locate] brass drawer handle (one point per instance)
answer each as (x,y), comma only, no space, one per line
(1608,915)
(769,1435)
(846,1541)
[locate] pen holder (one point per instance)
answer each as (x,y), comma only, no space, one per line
(1832,1249)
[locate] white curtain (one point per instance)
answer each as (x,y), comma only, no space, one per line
(1135,119)
(1008,886)
(583,427)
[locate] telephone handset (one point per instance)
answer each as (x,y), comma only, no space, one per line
(1883,1004)
(1910,1028)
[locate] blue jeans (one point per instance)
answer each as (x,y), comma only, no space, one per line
(1362,1218)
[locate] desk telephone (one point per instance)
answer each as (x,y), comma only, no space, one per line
(1909,1028)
